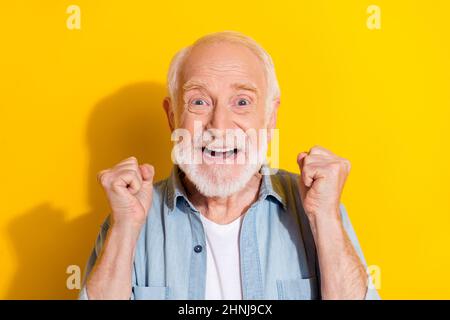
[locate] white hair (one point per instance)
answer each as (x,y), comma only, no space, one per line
(273,89)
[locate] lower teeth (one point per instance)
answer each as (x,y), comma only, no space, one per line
(221,154)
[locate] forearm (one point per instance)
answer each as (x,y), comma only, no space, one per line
(342,273)
(111,276)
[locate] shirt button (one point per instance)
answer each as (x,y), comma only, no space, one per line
(198,248)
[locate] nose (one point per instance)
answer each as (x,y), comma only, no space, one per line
(221,118)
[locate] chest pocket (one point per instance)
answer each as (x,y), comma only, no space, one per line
(150,293)
(298,289)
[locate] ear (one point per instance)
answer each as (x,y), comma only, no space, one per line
(168,108)
(272,123)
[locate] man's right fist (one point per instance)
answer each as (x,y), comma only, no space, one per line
(129,188)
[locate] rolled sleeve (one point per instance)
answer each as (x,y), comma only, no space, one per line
(83,294)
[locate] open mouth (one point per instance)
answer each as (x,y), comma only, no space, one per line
(220,153)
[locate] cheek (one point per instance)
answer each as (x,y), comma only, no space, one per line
(189,121)
(253,125)
(260,118)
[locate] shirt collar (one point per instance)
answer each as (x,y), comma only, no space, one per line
(175,188)
(270,188)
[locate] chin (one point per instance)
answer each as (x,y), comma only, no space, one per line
(219,180)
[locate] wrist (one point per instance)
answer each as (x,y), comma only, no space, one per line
(326,222)
(127,221)
(126,230)
(329,215)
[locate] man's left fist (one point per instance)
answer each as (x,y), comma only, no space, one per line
(323,175)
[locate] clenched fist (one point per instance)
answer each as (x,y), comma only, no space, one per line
(323,175)
(129,188)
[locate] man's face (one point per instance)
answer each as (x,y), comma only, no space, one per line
(223,91)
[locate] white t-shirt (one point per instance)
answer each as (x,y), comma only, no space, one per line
(223,271)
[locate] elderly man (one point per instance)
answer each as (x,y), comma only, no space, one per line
(222,226)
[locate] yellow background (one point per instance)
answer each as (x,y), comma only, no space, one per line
(74,102)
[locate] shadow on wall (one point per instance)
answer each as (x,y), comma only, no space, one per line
(129,122)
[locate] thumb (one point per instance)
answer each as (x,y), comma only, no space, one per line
(145,193)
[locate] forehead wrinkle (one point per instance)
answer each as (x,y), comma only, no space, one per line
(208,70)
(225,66)
(216,70)
(219,67)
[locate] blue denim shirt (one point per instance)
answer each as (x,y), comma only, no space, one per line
(277,252)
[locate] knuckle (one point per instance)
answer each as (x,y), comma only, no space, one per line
(348,164)
(128,160)
(307,160)
(313,149)
(310,160)
(128,173)
(335,166)
(316,148)
(103,177)
(132,174)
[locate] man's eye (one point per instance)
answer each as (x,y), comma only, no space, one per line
(243,102)
(199,102)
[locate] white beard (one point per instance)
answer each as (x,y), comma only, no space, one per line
(218,182)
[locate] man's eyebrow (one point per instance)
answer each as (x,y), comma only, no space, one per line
(245,86)
(193,84)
